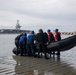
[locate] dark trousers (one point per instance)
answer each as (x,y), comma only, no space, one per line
(42,48)
(23,50)
(30,48)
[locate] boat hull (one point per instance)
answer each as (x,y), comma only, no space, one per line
(63,45)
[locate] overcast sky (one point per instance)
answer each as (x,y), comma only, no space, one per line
(35,14)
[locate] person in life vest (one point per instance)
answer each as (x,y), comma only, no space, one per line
(57,38)
(57,35)
(30,44)
(41,38)
(50,36)
(22,43)
(17,41)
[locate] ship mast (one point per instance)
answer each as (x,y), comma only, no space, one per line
(18,25)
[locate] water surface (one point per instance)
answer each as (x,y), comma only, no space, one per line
(66,65)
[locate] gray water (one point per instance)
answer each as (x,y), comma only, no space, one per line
(7,45)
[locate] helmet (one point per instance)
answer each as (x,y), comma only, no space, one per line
(48,30)
(32,32)
(56,30)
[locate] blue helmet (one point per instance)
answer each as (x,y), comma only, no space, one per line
(48,30)
(56,30)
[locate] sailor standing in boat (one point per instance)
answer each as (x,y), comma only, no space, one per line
(40,38)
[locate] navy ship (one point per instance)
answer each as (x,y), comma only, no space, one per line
(14,31)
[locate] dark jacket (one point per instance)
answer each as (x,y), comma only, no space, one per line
(17,39)
(41,37)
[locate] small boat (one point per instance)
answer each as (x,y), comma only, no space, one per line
(63,45)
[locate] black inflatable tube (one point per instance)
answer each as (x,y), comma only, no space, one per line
(63,45)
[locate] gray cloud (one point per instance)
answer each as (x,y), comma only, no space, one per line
(56,12)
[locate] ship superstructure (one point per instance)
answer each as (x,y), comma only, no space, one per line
(18,25)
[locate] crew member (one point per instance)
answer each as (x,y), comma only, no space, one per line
(22,42)
(50,36)
(17,42)
(57,35)
(30,44)
(40,37)
(57,38)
